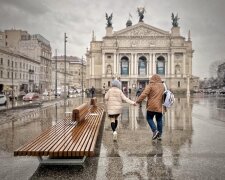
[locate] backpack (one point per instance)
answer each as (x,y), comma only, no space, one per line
(168,97)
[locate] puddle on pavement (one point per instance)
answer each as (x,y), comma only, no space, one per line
(134,151)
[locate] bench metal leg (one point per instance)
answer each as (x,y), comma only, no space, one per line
(49,161)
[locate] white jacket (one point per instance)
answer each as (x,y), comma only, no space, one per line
(114,97)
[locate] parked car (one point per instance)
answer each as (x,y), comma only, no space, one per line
(31,97)
(3,99)
(20,95)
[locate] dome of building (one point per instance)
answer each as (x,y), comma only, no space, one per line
(129,23)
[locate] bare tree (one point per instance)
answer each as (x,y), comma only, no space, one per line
(214,67)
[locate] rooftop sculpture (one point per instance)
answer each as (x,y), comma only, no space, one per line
(175,20)
(109,19)
(141,11)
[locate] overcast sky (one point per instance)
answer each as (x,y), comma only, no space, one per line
(51,18)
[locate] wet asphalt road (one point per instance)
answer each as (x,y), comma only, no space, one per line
(193,144)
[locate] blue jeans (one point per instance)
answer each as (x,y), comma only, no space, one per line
(151,123)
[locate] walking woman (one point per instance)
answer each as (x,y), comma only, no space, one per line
(154,93)
(114,98)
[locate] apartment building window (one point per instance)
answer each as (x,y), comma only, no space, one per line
(6,44)
(1,61)
(15,75)
(15,64)
(6,36)
(8,75)
(20,76)
(20,64)
(12,63)
(8,62)
(1,74)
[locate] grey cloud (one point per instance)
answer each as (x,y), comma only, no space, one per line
(28,6)
(52,18)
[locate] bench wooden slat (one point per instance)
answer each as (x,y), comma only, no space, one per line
(75,139)
(91,150)
(85,144)
(23,149)
(39,151)
(50,149)
(74,148)
(66,138)
(86,137)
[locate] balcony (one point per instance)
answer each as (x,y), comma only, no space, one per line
(31,81)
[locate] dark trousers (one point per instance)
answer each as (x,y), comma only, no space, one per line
(150,116)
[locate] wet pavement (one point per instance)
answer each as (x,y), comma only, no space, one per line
(192,146)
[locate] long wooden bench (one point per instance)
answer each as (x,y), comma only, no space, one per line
(69,141)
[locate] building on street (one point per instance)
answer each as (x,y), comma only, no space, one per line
(34,46)
(18,70)
(138,51)
(73,72)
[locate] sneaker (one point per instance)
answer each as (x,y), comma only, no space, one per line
(159,137)
(155,134)
(114,135)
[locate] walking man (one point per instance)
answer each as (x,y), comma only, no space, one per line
(154,93)
(92,91)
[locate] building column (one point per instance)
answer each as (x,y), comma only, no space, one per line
(103,64)
(166,66)
(129,67)
(135,63)
(169,63)
(154,64)
(172,64)
(132,64)
(114,63)
(118,64)
(150,64)
(184,65)
(92,66)
(147,61)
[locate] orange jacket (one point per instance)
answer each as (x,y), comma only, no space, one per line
(154,92)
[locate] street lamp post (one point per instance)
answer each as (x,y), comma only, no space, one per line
(65,37)
(82,80)
(12,87)
(65,95)
(56,73)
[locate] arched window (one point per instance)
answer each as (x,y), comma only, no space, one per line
(142,66)
(177,69)
(124,66)
(109,69)
(160,65)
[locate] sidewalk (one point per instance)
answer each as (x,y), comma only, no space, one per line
(192,146)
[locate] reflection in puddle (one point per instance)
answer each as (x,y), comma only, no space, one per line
(138,157)
(25,126)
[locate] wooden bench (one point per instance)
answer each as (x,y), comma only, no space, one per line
(69,141)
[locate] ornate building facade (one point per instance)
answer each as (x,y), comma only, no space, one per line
(138,51)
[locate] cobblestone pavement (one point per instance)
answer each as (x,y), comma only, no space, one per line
(192,146)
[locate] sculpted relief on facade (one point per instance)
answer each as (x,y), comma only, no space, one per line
(141,31)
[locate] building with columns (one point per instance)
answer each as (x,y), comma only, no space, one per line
(138,51)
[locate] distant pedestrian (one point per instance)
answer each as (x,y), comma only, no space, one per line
(114,98)
(103,92)
(154,92)
(92,91)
